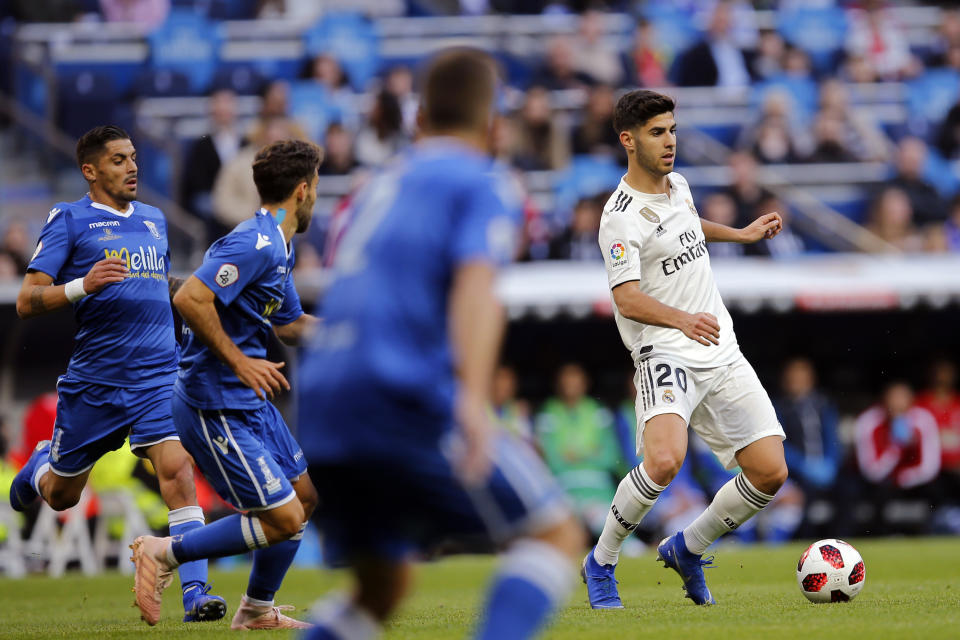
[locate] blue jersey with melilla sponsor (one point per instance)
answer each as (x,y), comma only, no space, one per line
(126,333)
(250,270)
(380,371)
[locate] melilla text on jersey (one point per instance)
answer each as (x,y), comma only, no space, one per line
(141,263)
(694,247)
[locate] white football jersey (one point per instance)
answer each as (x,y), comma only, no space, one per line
(656,239)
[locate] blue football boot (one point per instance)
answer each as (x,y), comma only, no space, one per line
(674,554)
(601,585)
(202,606)
(22,493)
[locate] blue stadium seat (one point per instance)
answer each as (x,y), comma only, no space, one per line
(932,94)
(820,31)
(674,27)
(939,172)
(353,40)
(85,100)
(242,78)
(587,176)
(187,43)
(804,91)
(155,83)
(311,105)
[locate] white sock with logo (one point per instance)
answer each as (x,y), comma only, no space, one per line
(635,496)
(735,503)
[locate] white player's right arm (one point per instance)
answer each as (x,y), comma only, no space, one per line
(38,294)
(638,306)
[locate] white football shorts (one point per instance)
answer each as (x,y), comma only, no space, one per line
(726,405)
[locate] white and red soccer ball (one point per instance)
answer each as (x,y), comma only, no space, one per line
(830,571)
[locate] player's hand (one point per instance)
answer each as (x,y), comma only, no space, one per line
(763,228)
(107,271)
(702,328)
(262,376)
(475,460)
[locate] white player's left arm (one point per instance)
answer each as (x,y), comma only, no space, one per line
(297,331)
(766,226)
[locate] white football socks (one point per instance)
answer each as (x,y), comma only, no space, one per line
(735,503)
(634,498)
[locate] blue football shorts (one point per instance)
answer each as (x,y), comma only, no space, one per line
(428,504)
(93,419)
(248,455)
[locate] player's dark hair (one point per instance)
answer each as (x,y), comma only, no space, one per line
(457,89)
(634,108)
(92,143)
(279,167)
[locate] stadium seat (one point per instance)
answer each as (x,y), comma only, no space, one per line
(187,43)
(932,94)
(242,78)
(674,27)
(62,546)
(586,176)
(820,31)
(159,83)
(85,100)
(352,39)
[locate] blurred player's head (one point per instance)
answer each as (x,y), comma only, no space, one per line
(644,121)
(108,162)
(286,171)
(457,91)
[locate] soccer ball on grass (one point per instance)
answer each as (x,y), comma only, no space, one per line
(830,571)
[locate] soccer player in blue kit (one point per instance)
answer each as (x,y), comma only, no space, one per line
(106,255)
(241,294)
(394,390)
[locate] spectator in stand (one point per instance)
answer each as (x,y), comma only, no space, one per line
(947,37)
(716,60)
(810,419)
(542,137)
(383,134)
(891,219)
(579,240)
(875,34)
(147,13)
(926,203)
(645,64)
(399,83)
(8,269)
(951,228)
(829,140)
(745,188)
(510,412)
(942,400)
(235,196)
(774,139)
(595,134)
(858,70)
(338,157)
(207,154)
(558,71)
(785,244)
(860,135)
(719,207)
(325,70)
(767,63)
(16,245)
(898,442)
(595,57)
(575,434)
(274,105)
(948,136)
(38,421)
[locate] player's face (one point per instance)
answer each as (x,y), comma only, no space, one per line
(114,173)
(655,144)
(305,210)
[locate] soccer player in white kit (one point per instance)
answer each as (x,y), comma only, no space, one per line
(689,367)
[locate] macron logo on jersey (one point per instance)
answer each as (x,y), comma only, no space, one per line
(262,241)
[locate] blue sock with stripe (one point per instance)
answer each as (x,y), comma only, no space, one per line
(270,565)
(226,537)
(533,580)
(193,574)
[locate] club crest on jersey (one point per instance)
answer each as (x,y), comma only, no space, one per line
(227,274)
(618,254)
(693,209)
(108,235)
(153,229)
(650,215)
(668,396)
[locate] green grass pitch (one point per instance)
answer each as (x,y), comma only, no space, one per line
(912,590)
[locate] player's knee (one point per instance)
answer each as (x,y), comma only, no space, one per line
(568,537)
(769,480)
(287,522)
(663,466)
(63,498)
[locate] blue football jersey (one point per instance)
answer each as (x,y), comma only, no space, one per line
(382,357)
(125,334)
(250,270)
